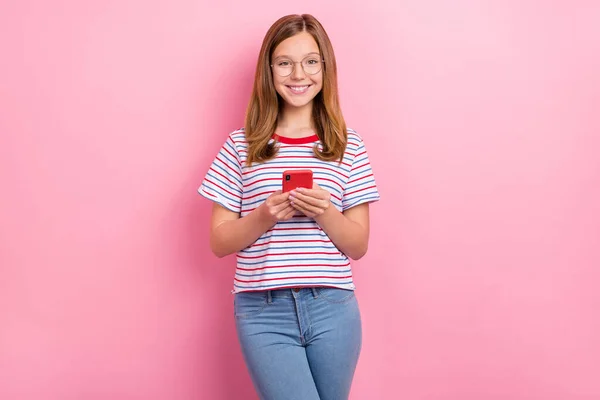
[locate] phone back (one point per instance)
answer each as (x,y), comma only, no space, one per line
(293,179)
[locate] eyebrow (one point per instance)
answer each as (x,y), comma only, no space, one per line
(306,55)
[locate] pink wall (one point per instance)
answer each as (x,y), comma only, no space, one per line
(482,121)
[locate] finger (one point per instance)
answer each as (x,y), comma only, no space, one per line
(309,200)
(278,197)
(307,207)
(290,214)
(305,212)
(283,213)
(276,209)
(316,193)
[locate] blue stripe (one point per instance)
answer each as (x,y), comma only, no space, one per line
(305,152)
(227,185)
(227,173)
(357,170)
(331,283)
(233,149)
(361,200)
(278,175)
(284,247)
(307,164)
(319,236)
(262,198)
(282,259)
(218,195)
(264,187)
(366,182)
(307,221)
(331,189)
(276,235)
(223,204)
(294,272)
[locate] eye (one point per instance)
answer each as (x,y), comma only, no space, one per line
(312,61)
(284,63)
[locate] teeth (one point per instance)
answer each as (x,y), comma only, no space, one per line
(299,88)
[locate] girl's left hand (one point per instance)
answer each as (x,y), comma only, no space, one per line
(310,202)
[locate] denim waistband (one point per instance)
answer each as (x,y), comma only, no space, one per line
(294,292)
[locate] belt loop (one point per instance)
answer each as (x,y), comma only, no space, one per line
(269,297)
(314,292)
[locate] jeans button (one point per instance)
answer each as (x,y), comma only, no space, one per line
(296,290)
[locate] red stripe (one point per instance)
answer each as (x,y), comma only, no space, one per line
(216,199)
(359,154)
(291,241)
(293,229)
(360,190)
(223,189)
(258,194)
(279,180)
(227,165)
(223,176)
(311,157)
(249,210)
(295,167)
(360,178)
(299,285)
(331,180)
(329,253)
(264,180)
(360,166)
(294,266)
(234,157)
(294,277)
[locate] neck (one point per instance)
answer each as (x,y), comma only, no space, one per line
(295,121)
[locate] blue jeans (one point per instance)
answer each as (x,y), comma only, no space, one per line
(300,343)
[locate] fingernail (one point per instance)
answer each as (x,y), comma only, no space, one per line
(292,193)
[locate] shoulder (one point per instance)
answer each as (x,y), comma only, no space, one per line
(238,136)
(354,140)
(237,139)
(353,135)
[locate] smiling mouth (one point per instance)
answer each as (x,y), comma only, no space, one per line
(299,89)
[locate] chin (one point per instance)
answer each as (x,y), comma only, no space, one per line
(298,104)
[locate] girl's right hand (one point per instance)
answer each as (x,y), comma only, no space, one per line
(277,207)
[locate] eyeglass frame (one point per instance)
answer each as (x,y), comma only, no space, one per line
(299,62)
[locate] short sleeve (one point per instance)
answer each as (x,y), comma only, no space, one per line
(361,186)
(223,181)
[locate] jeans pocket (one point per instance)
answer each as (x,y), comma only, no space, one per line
(335,295)
(249,304)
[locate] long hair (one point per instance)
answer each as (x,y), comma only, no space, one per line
(265,103)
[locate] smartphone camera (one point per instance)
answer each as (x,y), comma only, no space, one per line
(287,177)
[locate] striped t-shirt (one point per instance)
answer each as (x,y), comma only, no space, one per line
(297,252)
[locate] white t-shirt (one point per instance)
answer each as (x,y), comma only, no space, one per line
(294,253)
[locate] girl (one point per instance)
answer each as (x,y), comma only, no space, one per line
(297,317)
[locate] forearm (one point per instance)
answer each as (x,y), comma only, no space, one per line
(350,237)
(234,235)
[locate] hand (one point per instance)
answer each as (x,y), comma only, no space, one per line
(277,207)
(310,202)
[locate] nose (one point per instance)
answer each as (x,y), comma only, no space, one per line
(298,72)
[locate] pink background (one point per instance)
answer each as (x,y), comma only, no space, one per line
(482,122)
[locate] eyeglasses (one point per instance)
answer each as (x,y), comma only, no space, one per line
(311,65)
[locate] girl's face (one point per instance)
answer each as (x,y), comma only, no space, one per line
(300,57)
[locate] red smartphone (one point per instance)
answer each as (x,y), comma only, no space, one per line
(293,179)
